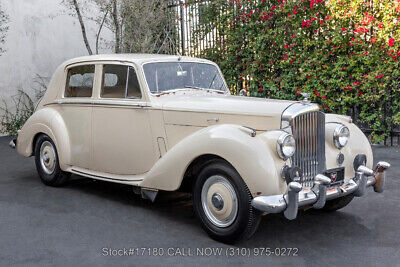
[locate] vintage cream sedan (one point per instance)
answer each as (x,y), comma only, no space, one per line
(170,123)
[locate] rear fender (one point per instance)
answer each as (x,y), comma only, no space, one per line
(49,122)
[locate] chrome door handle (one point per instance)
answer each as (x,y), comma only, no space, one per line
(213,120)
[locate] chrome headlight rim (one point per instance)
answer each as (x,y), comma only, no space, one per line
(338,133)
(283,140)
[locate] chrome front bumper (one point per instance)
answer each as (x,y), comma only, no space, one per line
(317,196)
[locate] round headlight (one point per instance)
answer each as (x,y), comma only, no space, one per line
(286,146)
(341,136)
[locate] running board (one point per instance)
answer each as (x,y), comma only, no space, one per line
(129,180)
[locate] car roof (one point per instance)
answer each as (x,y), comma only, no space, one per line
(137,58)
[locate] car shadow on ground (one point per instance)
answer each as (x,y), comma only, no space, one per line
(310,228)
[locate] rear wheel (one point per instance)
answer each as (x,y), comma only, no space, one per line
(222,202)
(47,163)
(338,203)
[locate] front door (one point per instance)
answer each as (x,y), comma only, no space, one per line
(121,134)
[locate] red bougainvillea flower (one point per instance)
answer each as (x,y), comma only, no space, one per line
(391,41)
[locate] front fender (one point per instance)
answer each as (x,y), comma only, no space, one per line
(357,144)
(252,157)
(47,121)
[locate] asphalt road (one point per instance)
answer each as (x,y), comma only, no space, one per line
(80,223)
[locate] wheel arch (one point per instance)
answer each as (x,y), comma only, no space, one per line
(49,122)
(195,167)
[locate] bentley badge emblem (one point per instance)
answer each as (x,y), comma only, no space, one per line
(333,176)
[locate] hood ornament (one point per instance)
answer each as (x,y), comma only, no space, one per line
(306,100)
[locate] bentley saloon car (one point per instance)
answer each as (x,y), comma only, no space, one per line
(168,123)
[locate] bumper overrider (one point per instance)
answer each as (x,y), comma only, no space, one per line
(316,197)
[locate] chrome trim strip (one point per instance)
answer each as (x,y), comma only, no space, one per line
(99,104)
(104,177)
(121,105)
(67,103)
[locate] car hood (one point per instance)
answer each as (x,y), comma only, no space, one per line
(205,109)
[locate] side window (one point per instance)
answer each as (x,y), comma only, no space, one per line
(114,81)
(120,82)
(80,81)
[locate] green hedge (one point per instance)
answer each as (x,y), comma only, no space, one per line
(345,53)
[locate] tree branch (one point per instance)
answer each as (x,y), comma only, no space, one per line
(98,33)
(114,15)
(83,29)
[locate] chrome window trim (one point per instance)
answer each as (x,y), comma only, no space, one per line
(227,91)
(71,66)
(128,65)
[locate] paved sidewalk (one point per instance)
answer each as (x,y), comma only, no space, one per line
(72,225)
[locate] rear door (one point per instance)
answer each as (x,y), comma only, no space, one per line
(76,109)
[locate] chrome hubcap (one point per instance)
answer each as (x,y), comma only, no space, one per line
(219,201)
(47,157)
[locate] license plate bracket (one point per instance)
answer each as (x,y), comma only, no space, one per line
(336,175)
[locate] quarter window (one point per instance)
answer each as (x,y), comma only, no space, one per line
(80,81)
(120,82)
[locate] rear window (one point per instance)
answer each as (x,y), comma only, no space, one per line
(80,81)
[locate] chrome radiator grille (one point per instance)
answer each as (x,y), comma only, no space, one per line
(309,131)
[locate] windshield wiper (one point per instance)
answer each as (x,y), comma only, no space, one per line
(207,89)
(167,91)
(189,87)
(215,76)
(178,89)
(195,87)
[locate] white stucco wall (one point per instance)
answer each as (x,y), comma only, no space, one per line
(41,36)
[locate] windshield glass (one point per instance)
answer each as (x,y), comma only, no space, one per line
(166,76)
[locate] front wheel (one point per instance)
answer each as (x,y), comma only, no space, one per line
(47,163)
(222,202)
